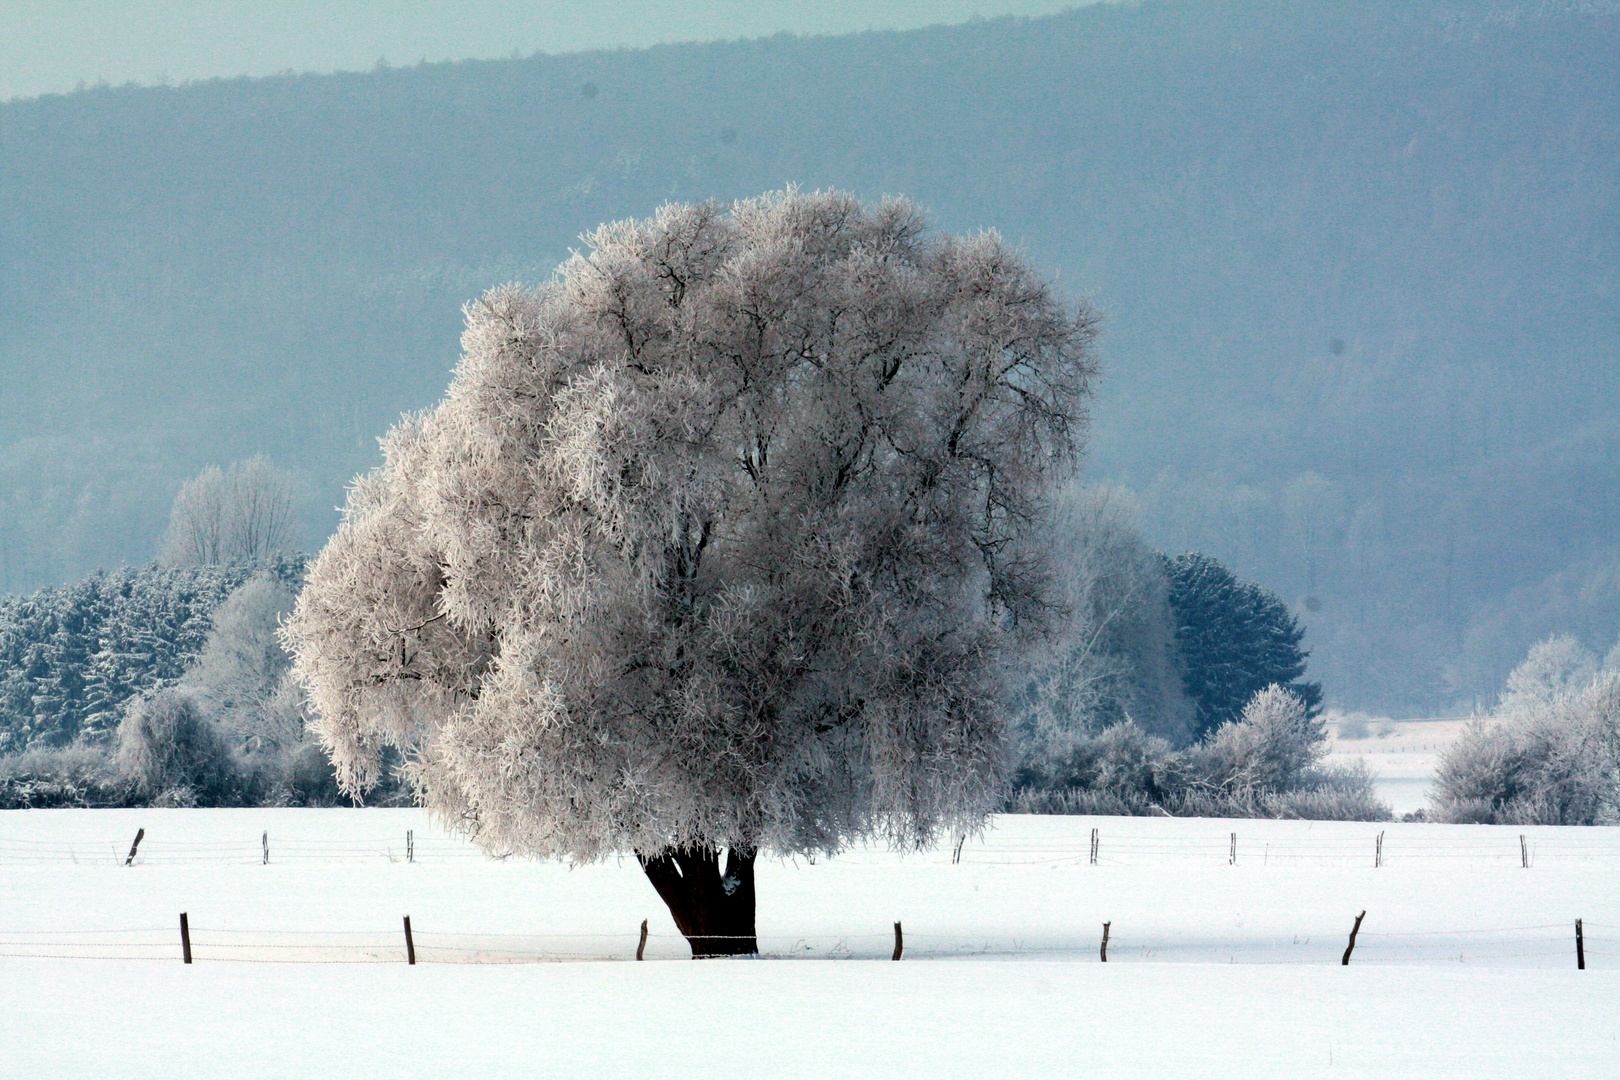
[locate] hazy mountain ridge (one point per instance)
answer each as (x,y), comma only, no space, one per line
(1360,264)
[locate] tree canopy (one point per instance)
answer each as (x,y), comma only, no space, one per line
(717,539)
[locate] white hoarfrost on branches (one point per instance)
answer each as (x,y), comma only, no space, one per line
(1549,754)
(718,539)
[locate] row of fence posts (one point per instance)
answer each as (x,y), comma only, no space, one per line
(956,852)
(899,942)
(1232,852)
(264,845)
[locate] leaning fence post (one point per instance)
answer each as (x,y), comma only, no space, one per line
(265,840)
(185,938)
(641,946)
(410,943)
(138,834)
(956,854)
(1106,925)
(899,943)
(1580,947)
(1350,948)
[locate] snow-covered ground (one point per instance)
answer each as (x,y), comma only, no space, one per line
(1464,967)
(1402,755)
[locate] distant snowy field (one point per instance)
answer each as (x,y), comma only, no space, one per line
(1465,965)
(1401,754)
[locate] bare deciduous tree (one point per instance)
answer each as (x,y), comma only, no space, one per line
(260,510)
(239,515)
(1111,657)
(716,543)
(196,535)
(242,667)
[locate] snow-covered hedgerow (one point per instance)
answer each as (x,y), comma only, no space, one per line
(1268,763)
(1549,754)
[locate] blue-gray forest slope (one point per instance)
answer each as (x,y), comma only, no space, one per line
(1359,261)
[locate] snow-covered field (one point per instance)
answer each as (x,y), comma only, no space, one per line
(1465,965)
(1401,754)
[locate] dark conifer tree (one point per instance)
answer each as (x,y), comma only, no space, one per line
(1235,639)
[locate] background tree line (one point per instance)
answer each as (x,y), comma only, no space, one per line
(166,685)
(169,685)
(1171,686)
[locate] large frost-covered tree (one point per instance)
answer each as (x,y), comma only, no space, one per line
(716,544)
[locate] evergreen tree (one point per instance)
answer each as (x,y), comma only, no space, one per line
(1236,639)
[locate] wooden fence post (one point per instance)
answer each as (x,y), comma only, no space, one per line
(131,860)
(1350,948)
(1093,847)
(1580,947)
(899,943)
(956,854)
(410,943)
(1232,860)
(641,946)
(410,845)
(265,840)
(1378,856)
(185,938)
(1524,853)
(1106,925)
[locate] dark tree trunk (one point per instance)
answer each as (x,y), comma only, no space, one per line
(714,911)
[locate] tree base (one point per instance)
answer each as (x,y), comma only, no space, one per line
(713,911)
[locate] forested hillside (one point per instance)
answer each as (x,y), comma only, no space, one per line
(1358,259)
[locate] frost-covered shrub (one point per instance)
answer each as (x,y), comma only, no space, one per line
(1120,770)
(1271,748)
(171,754)
(1266,764)
(1550,755)
(70,776)
(1330,794)
(1353,727)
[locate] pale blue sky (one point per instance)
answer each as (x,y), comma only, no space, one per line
(49,46)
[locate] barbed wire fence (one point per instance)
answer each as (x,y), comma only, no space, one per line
(1130,849)
(1548,944)
(1543,945)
